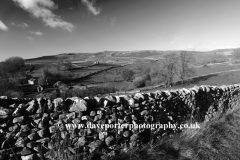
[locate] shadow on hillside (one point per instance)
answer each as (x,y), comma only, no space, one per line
(43,58)
(196,80)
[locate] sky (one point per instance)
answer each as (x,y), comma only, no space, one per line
(34,28)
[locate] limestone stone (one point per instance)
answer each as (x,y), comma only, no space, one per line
(25,128)
(81,141)
(43,133)
(32,107)
(18,119)
(35,116)
(5,111)
(126,134)
(94,145)
(21,142)
(31,144)
(33,136)
(45,118)
(79,105)
(109,140)
(58,104)
(43,140)
(25,151)
(29,157)
(52,129)
(64,134)
(19,110)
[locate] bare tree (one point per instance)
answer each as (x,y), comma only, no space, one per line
(10,74)
(13,65)
(185,71)
(169,68)
(63,63)
(127,75)
(236,54)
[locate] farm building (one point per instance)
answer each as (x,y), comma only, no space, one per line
(32,81)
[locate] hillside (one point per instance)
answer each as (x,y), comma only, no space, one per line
(127,56)
(104,69)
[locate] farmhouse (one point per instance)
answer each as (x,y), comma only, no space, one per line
(32,81)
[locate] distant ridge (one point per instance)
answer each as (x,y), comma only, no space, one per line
(227,51)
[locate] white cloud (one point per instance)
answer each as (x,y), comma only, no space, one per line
(22,25)
(42,9)
(30,38)
(113,20)
(191,47)
(91,8)
(208,46)
(37,33)
(3,26)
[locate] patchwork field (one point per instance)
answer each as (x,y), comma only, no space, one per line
(107,72)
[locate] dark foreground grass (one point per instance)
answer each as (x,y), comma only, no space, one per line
(217,139)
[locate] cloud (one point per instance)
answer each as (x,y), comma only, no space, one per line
(208,46)
(191,47)
(113,20)
(42,9)
(91,8)
(3,26)
(30,38)
(37,33)
(22,25)
(212,46)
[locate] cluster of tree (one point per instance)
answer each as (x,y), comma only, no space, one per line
(177,65)
(12,65)
(142,81)
(174,66)
(48,77)
(63,64)
(236,54)
(128,75)
(10,75)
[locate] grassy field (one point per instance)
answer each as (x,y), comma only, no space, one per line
(138,61)
(231,77)
(215,68)
(216,139)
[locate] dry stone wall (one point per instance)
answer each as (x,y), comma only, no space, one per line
(31,128)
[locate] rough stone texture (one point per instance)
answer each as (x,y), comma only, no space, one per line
(79,105)
(28,157)
(29,126)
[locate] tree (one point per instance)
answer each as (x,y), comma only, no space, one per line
(185,71)
(236,54)
(67,64)
(46,77)
(63,63)
(127,75)
(141,81)
(168,68)
(9,75)
(13,64)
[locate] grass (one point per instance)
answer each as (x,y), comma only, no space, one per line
(218,138)
(114,75)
